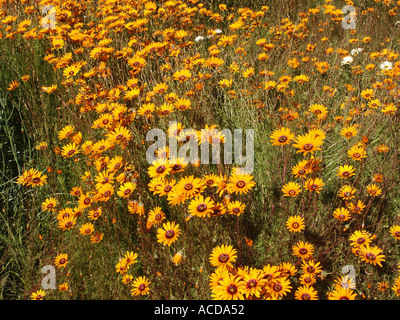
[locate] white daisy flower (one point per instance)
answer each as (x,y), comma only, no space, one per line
(386,65)
(347,60)
(356,51)
(198,38)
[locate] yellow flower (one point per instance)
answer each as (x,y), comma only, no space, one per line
(182,75)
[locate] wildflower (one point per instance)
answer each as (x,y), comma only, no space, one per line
(371,255)
(303,250)
(223,255)
(347,60)
(229,288)
(281,136)
(86,229)
(306,293)
(240,183)
(308,143)
(38,295)
(347,192)
(386,65)
(291,189)
(345,171)
(169,233)
(374,190)
(342,214)
(61,260)
(201,206)
(177,258)
(342,294)
(395,232)
(140,286)
(49,204)
(295,224)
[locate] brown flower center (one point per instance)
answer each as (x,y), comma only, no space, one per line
(240,184)
(141,287)
(169,234)
(36,180)
(308,146)
(303,251)
(360,240)
(161,169)
(223,258)
(251,283)
(177,167)
(277,287)
(370,256)
(305,296)
(282,139)
(232,289)
(310,269)
(188,186)
(201,207)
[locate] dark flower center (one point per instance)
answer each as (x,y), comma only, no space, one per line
(310,269)
(277,287)
(303,251)
(282,139)
(141,287)
(169,234)
(305,296)
(177,167)
(232,289)
(223,258)
(160,169)
(251,283)
(188,186)
(240,184)
(201,207)
(308,146)
(360,240)
(370,256)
